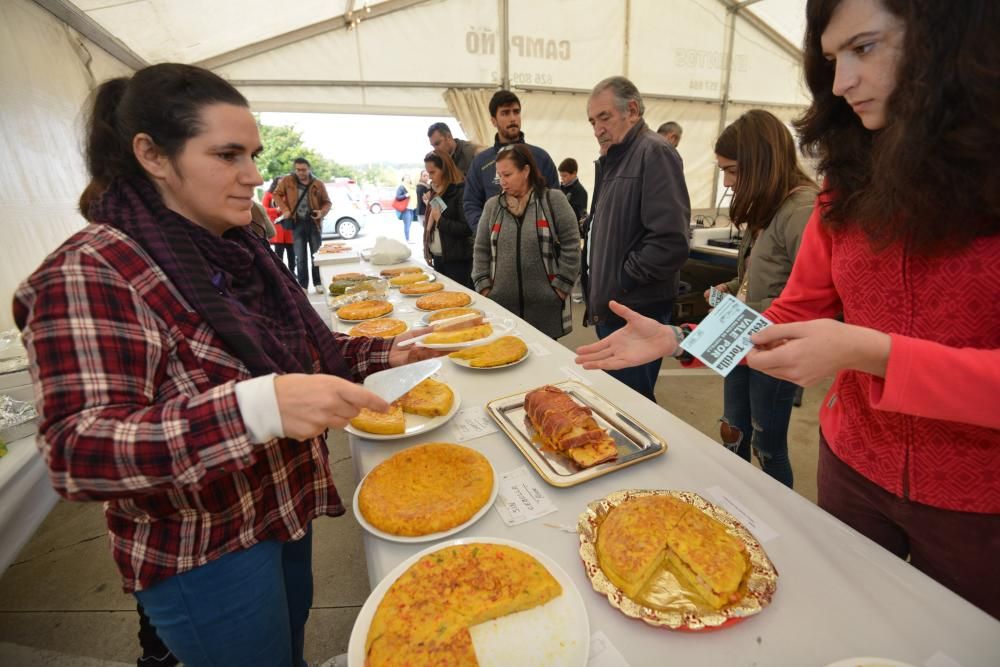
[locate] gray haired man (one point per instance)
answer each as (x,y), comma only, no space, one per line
(672,132)
(639,220)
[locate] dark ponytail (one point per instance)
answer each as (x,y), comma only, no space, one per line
(103,147)
(163,101)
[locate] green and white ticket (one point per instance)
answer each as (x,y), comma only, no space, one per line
(723,338)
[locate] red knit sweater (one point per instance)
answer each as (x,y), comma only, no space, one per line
(930,430)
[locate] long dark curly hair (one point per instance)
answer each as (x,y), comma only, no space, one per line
(930,177)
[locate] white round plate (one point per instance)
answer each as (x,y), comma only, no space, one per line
(431,278)
(417,296)
(558,629)
(429,312)
(415,424)
(430,537)
(500,328)
(465,363)
(424,321)
(347,330)
(364,320)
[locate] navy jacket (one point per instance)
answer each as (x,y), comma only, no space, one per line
(639,219)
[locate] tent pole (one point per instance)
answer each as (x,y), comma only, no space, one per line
(628,23)
(727,75)
(78,20)
(504,45)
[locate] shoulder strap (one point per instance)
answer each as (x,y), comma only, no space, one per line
(552,223)
(304,193)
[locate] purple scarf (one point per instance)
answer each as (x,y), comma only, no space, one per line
(235,282)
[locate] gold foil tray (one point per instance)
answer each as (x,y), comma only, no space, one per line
(665,602)
(634,441)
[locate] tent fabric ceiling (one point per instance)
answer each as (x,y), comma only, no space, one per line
(430,57)
(675,48)
(417,57)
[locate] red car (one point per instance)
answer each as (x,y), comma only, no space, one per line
(380,199)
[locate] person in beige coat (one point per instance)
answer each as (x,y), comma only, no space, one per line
(772,201)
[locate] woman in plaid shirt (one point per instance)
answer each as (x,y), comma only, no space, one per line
(183,377)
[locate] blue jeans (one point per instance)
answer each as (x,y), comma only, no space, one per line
(244,609)
(407,218)
(643,377)
(755,418)
(307,242)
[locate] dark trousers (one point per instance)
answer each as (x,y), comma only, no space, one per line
(643,377)
(286,253)
(307,242)
(756,411)
(154,651)
(247,607)
(459,270)
(960,550)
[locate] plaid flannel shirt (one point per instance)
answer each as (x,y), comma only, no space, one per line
(137,408)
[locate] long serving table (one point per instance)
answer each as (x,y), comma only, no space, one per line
(839,595)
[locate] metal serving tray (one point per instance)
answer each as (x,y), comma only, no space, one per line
(635,442)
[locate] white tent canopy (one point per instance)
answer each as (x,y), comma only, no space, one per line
(698,62)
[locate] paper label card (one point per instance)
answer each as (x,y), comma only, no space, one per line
(538,349)
(723,338)
(761,530)
(472,423)
(520,498)
(571,374)
(603,653)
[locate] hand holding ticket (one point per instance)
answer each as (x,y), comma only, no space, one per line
(723,338)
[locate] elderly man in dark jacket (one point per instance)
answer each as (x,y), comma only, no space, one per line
(639,220)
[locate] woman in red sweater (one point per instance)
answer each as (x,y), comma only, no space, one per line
(283,240)
(905,242)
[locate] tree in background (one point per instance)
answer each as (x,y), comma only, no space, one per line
(282,144)
(378,174)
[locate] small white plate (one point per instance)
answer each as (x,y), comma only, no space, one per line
(431,277)
(364,320)
(472,298)
(500,328)
(558,629)
(464,363)
(415,424)
(425,320)
(430,537)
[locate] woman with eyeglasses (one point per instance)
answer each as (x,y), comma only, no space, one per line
(527,249)
(447,237)
(905,242)
(772,201)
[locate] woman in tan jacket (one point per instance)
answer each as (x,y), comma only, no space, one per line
(772,201)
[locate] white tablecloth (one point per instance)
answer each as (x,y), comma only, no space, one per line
(839,595)
(26,495)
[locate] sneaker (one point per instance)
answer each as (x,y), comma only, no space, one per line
(319,289)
